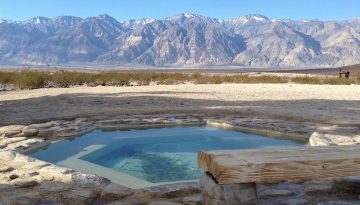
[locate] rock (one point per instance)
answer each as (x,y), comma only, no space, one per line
(6,188)
(74,130)
(164,203)
(25,183)
(43,125)
(174,190)
(53,186)
(347,184)
(296,202)
(317,139)
(35,165)
(7,141)
(27,145)
(195,199)
(216,194)
(9,131)
(269,193)
(89,179)
(317,187)
(357,138)
(43,178)
(24,158)
(46,133)
(118,203)
(79,196)
(13,177)
(115,192)
(339,203)
(7,155)
(56,169)
(320,139)
(4,168)
(29,132)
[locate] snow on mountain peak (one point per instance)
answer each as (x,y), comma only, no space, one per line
(356,19)
(251,18)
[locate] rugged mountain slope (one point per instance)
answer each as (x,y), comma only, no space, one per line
(186,39)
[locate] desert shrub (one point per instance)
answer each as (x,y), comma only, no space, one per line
(30,79)
(338,81)
(216,79)
(66,78)
(7,77)
(307,80)
(27,79)
(264,79)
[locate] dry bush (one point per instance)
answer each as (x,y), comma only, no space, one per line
(27,79)
(307,80)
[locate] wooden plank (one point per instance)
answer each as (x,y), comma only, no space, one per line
(271,165)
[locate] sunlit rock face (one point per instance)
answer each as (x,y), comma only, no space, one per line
(186,39)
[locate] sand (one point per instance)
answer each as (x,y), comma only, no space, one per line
(333,104)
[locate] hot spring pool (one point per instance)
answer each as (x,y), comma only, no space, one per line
(147,157)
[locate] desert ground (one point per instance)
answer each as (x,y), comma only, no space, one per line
(331,104)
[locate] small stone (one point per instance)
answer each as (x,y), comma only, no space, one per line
(115,192)
(270,193)
(30,132)
(13,176)
(4,168)
(26,183)
(164,203)
(89,179)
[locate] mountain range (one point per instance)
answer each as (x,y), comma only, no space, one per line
(182,40)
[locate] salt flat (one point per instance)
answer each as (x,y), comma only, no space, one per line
(334,104)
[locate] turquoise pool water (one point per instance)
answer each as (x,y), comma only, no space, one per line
(155,155)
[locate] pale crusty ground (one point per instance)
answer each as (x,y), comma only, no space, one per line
(334,104)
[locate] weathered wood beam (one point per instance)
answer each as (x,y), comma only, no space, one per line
(271,165)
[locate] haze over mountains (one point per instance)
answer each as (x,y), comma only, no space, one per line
(183,40)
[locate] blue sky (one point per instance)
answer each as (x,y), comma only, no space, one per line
(133,9)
